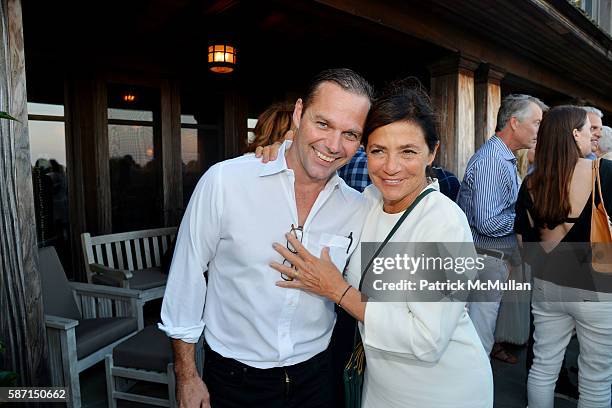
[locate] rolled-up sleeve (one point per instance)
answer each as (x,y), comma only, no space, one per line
(183,305)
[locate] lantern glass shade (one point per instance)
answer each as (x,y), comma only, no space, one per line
(129,97)
(221,58)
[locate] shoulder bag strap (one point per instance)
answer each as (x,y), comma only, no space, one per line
(393,230)
(594,177)
(598,176)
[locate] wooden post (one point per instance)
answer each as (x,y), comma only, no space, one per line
(172,174)
(235,122)
(452,94)
(87,160)
(488,101)
(22,327)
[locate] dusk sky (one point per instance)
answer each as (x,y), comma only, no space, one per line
(47,139)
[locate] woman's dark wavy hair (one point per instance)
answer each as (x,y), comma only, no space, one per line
(403,101)
(555,158)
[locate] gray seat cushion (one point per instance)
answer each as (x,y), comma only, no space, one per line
(142,279)
(148,350)
(94,334)
(58,299)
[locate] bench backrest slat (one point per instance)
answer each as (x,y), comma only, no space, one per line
(132,250)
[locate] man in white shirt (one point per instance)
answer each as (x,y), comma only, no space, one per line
(267,346)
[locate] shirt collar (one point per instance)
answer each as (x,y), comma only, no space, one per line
(502,149)
(278,165)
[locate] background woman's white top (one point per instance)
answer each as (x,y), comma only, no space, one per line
(421,354)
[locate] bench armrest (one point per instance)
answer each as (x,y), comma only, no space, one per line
(114,273)
(103,291)
(60,323)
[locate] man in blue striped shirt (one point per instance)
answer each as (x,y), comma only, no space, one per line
(488,194)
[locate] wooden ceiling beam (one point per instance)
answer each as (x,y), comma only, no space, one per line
(415,21)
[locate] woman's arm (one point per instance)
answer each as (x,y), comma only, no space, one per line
(416,330)
(270,152)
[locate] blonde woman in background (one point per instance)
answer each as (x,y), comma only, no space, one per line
(272,126)
(524,160)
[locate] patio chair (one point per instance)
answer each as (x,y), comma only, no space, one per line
(83,322)
(129,260)
(141,360)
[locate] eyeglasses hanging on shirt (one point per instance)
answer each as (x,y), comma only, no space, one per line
(298,232)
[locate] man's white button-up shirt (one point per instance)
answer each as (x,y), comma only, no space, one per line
(238,209)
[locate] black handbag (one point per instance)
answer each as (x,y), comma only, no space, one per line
(355,366)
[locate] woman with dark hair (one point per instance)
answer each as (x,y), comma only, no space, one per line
(554,211)
(419,354)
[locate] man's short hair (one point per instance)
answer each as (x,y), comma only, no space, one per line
(605,141)
(345,78)
(516,105)
(591,109)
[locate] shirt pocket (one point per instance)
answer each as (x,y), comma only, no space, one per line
(338,248)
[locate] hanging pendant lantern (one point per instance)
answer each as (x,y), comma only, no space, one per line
(221,58)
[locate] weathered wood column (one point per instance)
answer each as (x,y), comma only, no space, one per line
(172,175)
(22,327)
(488,101)
(235,122)
(89,194)
(452,94)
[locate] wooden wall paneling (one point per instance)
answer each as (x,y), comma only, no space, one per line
(22,327)
(465,120)
(442,97)
(494,97)
(452,94)
(172,176)
(488,101)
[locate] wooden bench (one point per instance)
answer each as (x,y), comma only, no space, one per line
(129,260)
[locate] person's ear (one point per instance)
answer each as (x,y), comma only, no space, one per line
(297,113)
(514,122)
(432,155)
